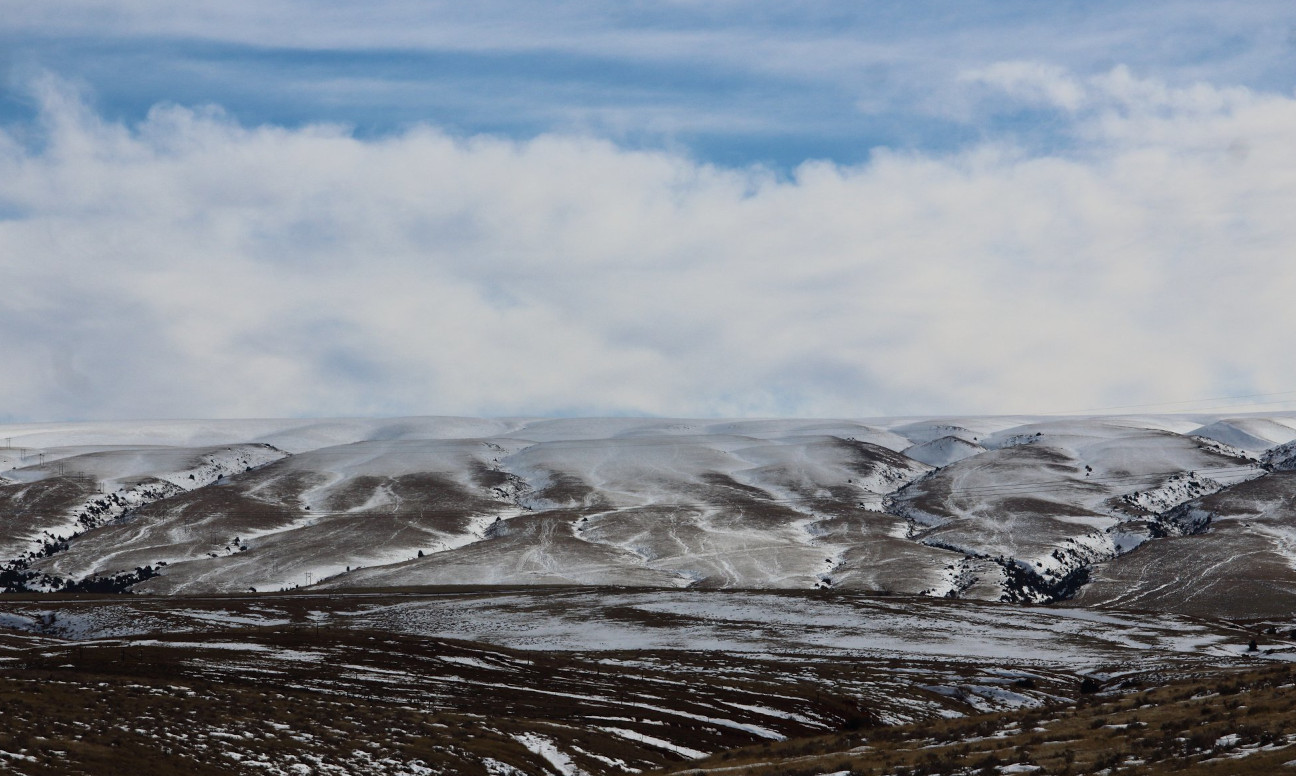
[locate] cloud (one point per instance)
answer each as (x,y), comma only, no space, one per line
(1047,85)
(1033,82)
(189,265)
(730,82)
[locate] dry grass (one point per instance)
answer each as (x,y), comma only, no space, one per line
(1230,723)
(254,684)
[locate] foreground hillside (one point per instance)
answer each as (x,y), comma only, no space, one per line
(1226,723)
(587,682)
(1173,513)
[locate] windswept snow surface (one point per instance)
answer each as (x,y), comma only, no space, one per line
(796,623)
(753,623)
(72,490)
(1016,508)
(1252,434)
(1240,557)
(1050,499)
(944,451)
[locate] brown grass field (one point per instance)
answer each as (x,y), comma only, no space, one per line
(1229,723)
(302,683)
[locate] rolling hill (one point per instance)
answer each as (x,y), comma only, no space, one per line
(1174,513)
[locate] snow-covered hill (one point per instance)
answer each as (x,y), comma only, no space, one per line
(1048,500)
(1013,508)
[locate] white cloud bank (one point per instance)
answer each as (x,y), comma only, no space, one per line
(189,266)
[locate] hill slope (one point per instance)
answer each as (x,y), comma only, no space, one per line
(1027,509)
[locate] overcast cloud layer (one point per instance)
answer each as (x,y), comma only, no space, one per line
(1126,238)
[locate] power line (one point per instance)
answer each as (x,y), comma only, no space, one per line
(1186,401)
(1246,404)
(504,445)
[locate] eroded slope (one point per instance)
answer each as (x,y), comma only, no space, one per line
(1025,509)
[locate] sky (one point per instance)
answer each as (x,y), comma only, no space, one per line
(822,209)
